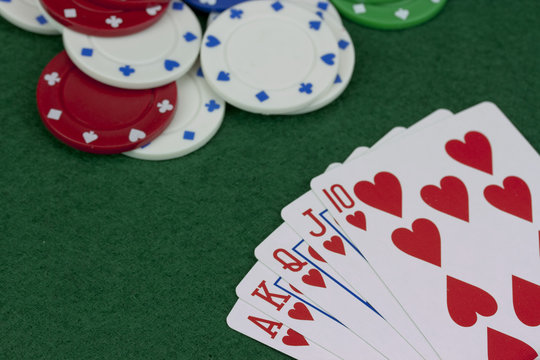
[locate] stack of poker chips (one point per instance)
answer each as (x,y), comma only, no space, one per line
(139,77)
(126,82)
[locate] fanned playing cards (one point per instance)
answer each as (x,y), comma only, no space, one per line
(424,246)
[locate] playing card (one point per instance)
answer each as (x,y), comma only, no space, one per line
(389,135)
(445,216)
(329,241)
(431,119)
(309,218)
(426,122)
(251,322)
(362,149)
(269,293)
(280,252)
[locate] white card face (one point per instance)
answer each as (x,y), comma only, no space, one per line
(251,322)
(389,135)
(266,291)
(332,166)
(429,120)
(281,252)
(451,228)
(310,219)
(397,131)
(327,239)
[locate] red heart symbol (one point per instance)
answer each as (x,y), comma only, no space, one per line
(526,298)
(335,244)
(464,301)
(505,347)
(451,198)
(358,220)
(423,242)
(300,312)
(294,339)
(315,254)
(314,278)
(384,194)
(514,197)
(474,152)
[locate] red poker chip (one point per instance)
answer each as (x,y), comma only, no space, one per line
(87,17)
(131,4)
(94,117)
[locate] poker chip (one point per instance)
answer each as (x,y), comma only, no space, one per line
(321,8)
(27,15)
(130,4)
(97,118)
(377,1)
(393,15)
(198,118)
(211,17)
(86,17)
(154,57)
(345,69)
(269,57)
(213,5)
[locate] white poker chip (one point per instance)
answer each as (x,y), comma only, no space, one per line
(211,17)
(269,57)
(27,15)
(53,23)
(198,117)
(345,69)
(323,9)
(153,57)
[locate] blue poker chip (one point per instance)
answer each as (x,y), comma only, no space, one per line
(213,5)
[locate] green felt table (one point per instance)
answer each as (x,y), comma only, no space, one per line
(108,257)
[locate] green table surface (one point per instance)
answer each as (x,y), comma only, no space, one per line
(108,257)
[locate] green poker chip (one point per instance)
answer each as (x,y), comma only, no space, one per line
(394,15)
(378,1)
